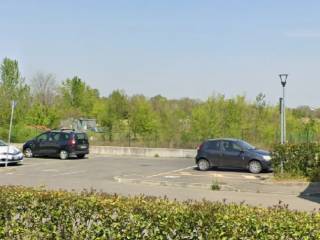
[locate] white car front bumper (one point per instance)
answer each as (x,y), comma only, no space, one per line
(11,158)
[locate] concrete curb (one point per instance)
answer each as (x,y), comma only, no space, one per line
(315,191)
(137,151)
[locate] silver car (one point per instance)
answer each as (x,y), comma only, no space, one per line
(9,154)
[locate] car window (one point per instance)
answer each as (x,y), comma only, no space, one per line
(56,136)
(213,145)
(231,146)
(64,136)
(2,144)
(245,145)
(81,136)
(43,137)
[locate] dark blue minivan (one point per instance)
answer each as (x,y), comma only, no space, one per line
(62,143)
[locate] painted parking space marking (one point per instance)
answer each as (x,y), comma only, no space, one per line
(202,175)
(185,173)
(50,170)
(170,172)
(250,177)
(68,173)
(171,176)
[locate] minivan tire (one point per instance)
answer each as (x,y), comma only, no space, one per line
(28,153)
(80,156)
(64,154)
(255,167)
(203,164)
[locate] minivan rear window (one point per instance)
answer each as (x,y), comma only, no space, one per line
(81,136)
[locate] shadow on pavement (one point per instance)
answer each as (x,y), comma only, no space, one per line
(239,170)
(58,159)
(11,165)
(312,193)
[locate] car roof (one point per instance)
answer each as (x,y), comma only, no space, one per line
(224,139)
(66,131)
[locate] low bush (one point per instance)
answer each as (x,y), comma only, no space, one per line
(299,160)
(19,134)
(27,213)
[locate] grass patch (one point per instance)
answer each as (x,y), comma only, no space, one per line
(215,185)
(288,177)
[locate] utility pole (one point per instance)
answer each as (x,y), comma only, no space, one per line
(281,127)
(13,104)
(281,119)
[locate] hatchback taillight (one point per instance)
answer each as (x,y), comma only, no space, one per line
(199,147)
(72,142)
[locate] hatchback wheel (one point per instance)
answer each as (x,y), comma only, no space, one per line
(255,167)
(64,154)
(203,165)
(28,153)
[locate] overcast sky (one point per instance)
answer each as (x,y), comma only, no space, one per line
(173,48)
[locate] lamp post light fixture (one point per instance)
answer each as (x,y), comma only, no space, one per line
(283,78)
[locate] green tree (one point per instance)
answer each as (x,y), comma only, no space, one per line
(115,113)
(143,121)
(78,97)
(12,87)
(43,112)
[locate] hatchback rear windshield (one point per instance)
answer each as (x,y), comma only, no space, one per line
(81,136)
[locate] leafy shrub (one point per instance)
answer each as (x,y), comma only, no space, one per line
(301,160)
(27,213)
(20,133)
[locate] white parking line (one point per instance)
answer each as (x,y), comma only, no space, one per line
(50,170)
(170,172)
(249,177)
(68,173)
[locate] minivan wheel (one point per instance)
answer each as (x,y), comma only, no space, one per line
(28,153)
(255,167)
(80,155)
(64,154)
(203,165)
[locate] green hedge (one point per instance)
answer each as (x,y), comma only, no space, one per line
(301,160)
(37,214)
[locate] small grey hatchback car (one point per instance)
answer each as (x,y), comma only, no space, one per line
(232,153)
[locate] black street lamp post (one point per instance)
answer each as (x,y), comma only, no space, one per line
(283,78)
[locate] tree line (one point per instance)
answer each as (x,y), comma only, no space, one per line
(137,120)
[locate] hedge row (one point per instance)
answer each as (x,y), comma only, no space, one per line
(298,160)
(27,213)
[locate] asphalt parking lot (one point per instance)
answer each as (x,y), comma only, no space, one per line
(175,177)
(154,171)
